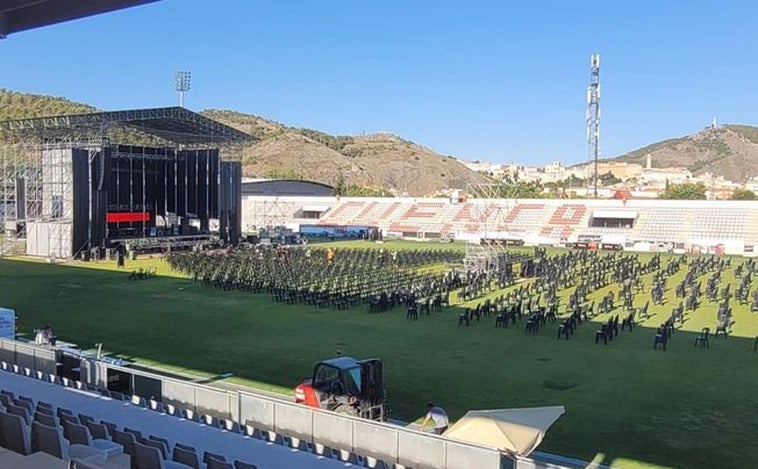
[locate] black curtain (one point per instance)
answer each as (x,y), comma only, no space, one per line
(223,200)
(202,187)
(20,199)
(162,181)
(100,191)
(181,184)
(235,231)
(161,187)
(171,185)
(81,198)
(230,201)
(214,178)
(192,199)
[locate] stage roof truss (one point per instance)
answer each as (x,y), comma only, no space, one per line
(172,124)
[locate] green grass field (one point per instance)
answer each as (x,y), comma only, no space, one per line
(626,404)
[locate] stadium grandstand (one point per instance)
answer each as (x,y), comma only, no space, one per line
(118,430)
(729,227)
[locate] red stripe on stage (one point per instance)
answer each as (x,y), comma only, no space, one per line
(127,217)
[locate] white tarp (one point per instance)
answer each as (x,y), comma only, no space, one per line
(7,323)
(517,431)
(51,239)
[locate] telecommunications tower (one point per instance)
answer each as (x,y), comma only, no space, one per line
(593,120)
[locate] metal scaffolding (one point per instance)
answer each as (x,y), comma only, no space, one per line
(36,194)
(490,207)
(264,212)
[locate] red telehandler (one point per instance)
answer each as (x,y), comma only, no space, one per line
(348,386)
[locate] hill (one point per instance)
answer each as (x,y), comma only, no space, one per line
(383,162)
(380,161)
(730,151)
(20,105)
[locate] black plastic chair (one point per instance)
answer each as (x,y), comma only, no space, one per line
(702,338)
(661,337)
(186,457)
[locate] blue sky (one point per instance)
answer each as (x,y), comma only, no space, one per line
(492,80)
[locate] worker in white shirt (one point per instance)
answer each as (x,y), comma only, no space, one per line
(438,416)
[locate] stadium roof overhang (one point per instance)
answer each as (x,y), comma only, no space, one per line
(21,15)
(172,124)
(615,214)
(315,208)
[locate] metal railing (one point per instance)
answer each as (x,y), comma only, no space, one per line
(390,443)
(382,441)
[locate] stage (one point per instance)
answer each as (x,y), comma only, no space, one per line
(71,192)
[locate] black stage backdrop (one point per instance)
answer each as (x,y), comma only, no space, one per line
(121,190)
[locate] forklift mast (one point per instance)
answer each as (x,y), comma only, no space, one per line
(372,389)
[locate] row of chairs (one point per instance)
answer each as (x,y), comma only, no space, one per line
(68,442)
(152,404)
(169,409)
(64,435)
(248,429)
(252,430)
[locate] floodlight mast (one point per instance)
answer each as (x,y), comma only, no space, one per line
(182,82)
(593,119)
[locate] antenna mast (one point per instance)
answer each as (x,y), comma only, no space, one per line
(593,119)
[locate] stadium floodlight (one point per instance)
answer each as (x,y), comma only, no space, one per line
(182,84)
